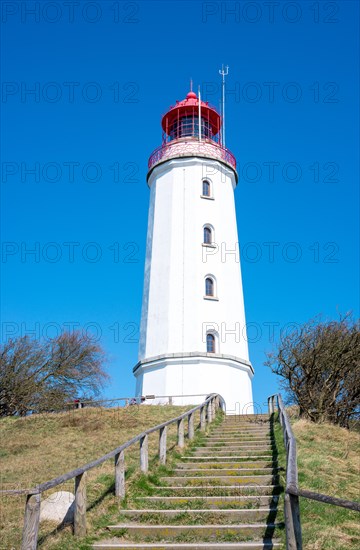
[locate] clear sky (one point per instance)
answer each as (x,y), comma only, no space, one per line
(84,88)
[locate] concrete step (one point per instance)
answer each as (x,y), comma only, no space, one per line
(219,465)
(238,443)
(242,448)
(239,438)
(241,420)
(256,545)
(241,430)
(233,458)
(237,531)
(243,427)
(224,471)
(245,445)
(252,488)
(213,502)
(205,516)
(218,480)
(225,438)
(231,450)
(246,417)
(245,530)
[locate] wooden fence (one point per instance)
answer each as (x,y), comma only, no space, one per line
(33,496)
(292,490)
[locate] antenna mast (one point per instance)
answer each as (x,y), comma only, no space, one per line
(223,72)
(199,113)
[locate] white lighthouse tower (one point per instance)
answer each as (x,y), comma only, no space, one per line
(193,333)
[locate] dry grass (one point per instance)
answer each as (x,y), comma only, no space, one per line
(38,448)
(329,463)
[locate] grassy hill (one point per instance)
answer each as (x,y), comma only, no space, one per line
(328,463)
(38,448)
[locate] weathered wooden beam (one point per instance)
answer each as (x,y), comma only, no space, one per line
(292,522)
(351,505)
(180,433)
(80,506)
(273,400)
(31,522)
(209,412)
(202,419)
(162,444)
(270,405)
(191,426)
(213,408)
(144,453)
(120,489)
(295,514)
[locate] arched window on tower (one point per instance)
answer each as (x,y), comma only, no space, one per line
(206,189)
(207,235)
(210,343)
(209,287)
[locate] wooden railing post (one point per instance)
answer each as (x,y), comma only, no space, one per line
(270,406)
(214,408)
(162,444)
(180,433)
(144,454)
(295,508)
(120,474)
(80,506)
(281,418)
(202,419)
(191,426)
(209,412)
(31,522)
(292,522)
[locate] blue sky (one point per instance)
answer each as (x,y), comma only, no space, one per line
(102,75)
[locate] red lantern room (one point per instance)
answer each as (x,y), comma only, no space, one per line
(191,128)
(182,120)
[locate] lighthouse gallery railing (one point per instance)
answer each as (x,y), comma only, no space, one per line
(191,147)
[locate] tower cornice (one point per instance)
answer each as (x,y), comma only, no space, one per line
(191,356)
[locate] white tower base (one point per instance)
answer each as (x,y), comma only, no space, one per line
(188,378)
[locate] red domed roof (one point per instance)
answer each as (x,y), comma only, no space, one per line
(190,107)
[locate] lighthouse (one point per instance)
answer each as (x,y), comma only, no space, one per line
(193,331)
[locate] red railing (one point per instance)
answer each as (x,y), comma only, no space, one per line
(187,147)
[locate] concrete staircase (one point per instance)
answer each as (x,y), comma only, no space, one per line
(222,495)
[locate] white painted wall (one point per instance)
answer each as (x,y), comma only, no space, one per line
(175,315)
(197,377)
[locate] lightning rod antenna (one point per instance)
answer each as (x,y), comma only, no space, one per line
(224,72)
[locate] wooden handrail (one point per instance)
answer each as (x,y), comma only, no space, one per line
(291,504)
(32,508)
(349,504)
(292,490)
